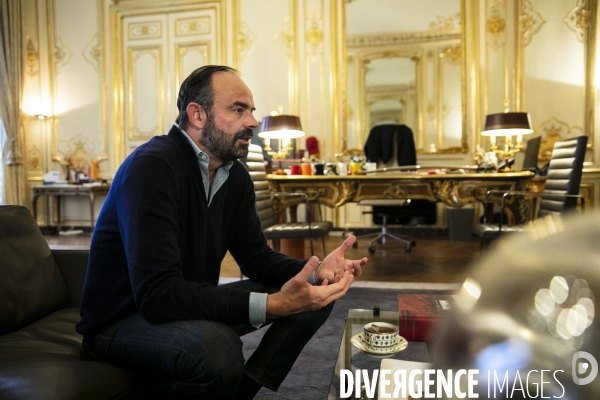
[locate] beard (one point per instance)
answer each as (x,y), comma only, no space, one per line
(223,145)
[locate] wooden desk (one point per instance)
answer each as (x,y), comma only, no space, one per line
(455,190)
(58,191)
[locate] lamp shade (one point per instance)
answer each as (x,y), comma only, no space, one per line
(507,124)
(281,127)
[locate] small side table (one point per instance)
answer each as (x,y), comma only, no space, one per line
(58,191)
(350,358)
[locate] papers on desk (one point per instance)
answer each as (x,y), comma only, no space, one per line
(386,381)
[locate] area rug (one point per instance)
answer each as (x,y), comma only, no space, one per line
(311,375)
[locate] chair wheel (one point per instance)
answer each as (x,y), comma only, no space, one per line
(355,245)
(408,249)
(371,249)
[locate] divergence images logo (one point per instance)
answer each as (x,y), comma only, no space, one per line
(584,362)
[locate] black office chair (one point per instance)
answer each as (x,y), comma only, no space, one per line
(264,206)
(384,143)
(560,194)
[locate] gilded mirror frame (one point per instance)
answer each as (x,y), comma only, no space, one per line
(407,51)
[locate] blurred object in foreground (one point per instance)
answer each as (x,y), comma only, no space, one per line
(525,316)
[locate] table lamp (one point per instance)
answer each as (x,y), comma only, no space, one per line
(283,128)
(507,124)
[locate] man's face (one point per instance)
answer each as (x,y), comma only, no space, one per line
(228,129)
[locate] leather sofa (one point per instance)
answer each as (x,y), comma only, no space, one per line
(40,352)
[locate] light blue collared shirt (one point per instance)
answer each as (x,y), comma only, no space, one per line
(258,301)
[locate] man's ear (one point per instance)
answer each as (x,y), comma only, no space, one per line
(196,115)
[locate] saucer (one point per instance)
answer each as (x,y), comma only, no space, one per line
(358,341)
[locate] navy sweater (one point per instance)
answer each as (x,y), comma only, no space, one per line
(157,247)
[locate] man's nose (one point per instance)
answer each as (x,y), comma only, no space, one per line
(252,123)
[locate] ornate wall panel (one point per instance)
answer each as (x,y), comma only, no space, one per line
(559,95)
(145,92)
(160,46)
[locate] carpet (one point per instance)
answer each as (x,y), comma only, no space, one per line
(311,375)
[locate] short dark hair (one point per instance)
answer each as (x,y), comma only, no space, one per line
(197,88)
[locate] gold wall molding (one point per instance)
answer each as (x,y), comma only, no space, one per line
(390,39)
(34,161)
(92,53)
(144,30)
(136,80)
(530,22)
(192,26)
(61,54)
(181,51)
(495,24)
(452,54)
(450,25)
(389,89)
(186,26)
(285,37)
(246,41)
(552,131)
(32,58)
(314,34)
(578,20)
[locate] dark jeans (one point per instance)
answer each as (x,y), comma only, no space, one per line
(204,358)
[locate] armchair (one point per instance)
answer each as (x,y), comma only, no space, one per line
(560,194)
(272,229)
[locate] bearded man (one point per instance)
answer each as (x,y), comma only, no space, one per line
(151,301)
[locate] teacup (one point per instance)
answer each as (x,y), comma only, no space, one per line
(381,336)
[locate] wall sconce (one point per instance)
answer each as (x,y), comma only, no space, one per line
(507,125)
(283,128)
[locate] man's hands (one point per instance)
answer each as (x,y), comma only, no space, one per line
(335,265)
(335,275)
(297,295)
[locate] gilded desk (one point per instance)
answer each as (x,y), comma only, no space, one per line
(452,189)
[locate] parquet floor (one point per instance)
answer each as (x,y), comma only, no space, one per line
(435,259)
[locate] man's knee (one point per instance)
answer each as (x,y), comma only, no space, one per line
(211,367)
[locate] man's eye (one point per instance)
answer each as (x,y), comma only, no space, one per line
(239,110)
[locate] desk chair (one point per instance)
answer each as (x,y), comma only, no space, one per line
(264,206)
(560,194)
(384,143)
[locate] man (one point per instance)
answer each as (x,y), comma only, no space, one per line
(177,204)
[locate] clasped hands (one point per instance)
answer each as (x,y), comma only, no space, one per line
(333,276)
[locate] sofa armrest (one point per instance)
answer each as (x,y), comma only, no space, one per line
(72,262)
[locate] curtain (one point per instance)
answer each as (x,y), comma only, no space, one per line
(11,90)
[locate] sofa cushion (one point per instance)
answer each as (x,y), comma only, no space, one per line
(54,376)
(54,333)
(44,361)
(31,285)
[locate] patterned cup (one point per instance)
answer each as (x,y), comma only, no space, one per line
(381,335)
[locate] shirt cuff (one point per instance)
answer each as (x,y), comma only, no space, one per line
(258,309)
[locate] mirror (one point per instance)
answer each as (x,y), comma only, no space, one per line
(404,66)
